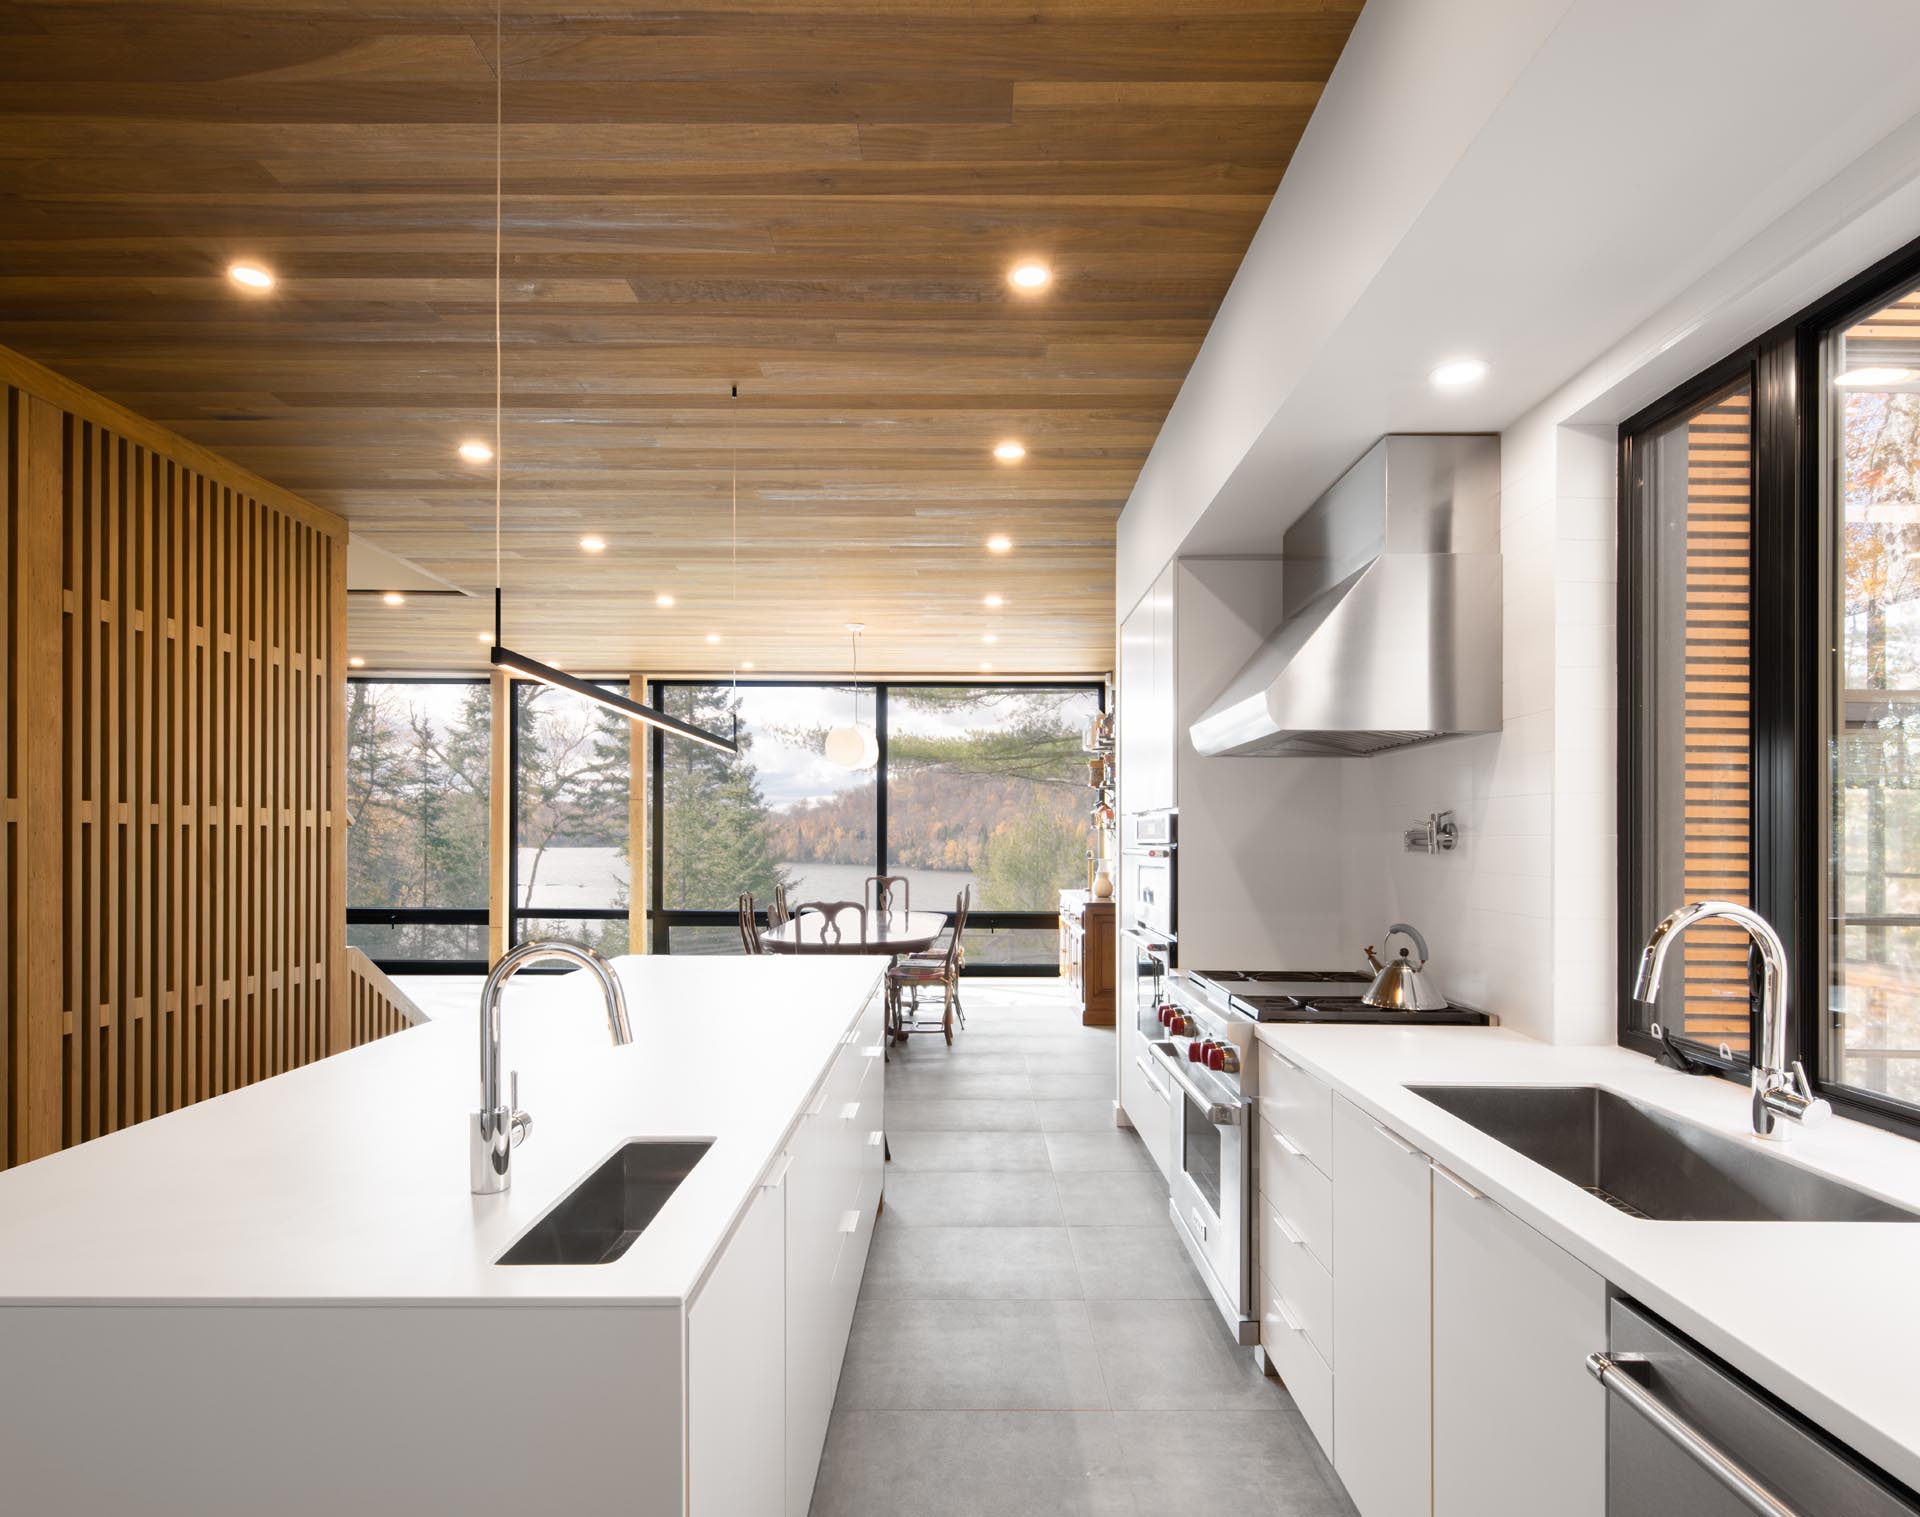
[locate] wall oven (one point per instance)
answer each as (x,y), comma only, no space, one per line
(1149,845)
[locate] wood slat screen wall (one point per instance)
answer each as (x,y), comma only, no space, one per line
(1717,851)
(376,1007)
(173,744)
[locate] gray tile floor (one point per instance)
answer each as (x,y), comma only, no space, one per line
(1031,1338)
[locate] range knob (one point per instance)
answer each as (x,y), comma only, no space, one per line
(1217,1056)
(1229,1060)
(1167,1014)
(1197,1052)
(1182,1026)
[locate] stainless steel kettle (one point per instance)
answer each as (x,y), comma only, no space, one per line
(1400,984)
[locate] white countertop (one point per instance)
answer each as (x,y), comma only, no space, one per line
(1826,1315)
(347,1180)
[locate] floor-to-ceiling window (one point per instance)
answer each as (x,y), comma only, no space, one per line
(571,763)
(974,785)
(417,792)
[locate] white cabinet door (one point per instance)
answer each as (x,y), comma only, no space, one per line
(814,1208)
(736,1394)
(1382,1317)
(1518,1423)
(1146,715)
(1145,1094)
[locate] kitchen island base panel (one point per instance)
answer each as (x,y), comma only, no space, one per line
(312,1411)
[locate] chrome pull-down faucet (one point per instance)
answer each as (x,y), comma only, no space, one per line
(500,1127)
(1779,1089)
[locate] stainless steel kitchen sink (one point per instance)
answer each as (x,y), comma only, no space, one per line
(597,1221)
(1650,1164)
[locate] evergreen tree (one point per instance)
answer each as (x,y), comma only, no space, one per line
(719,836)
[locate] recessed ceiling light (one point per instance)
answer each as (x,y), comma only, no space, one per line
(1009,452)
(713,637)
(1458,374)
(747,664)
(999,544)
(250,275)
(995,601)
(986,666)
(356,663)
(474,451)
(484,637)
(990,637)
(394,598)
(1875,377)
(593,545)
(856,626)
(1030,276)
(665,602)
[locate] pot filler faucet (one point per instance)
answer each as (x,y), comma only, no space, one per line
(1779,1089)
(499,1128)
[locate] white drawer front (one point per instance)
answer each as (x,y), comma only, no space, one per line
(1304,1288)
(1301,1197)
(1299,1105)
(1307,1376)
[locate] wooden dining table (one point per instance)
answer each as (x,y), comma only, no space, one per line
(892,932)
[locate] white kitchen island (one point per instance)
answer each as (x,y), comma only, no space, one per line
(286,1299)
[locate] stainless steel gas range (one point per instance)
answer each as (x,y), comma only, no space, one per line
(1202,1046)
(1201,1037)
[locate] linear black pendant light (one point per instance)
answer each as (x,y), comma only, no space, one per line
(502,656)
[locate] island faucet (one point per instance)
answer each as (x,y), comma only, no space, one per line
(1779,1089)
(500,1127)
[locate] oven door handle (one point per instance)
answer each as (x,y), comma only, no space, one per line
(1219,1113)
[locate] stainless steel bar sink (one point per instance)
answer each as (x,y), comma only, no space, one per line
(597,1221)
(1650,1164)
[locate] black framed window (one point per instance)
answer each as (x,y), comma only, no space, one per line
(974,785)
(418,779)
(1787,767)
(570,873)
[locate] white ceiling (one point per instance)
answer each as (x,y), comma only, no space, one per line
(1463,190)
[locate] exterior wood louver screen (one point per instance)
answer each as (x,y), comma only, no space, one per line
(172,739)
(1717,847)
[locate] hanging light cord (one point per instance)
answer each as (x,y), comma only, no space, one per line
(499,217)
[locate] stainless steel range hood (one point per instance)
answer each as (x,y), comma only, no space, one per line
(1391,592)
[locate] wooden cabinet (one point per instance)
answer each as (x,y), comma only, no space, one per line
(1515,1412)
(1382,1317)
(736,1411)
(1087,954)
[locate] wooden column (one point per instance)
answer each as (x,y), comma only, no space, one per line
(40,723)
(639,862)
(339,1023)
(499,815)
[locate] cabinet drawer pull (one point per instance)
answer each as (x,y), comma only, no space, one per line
(1287,1230)
(778,1173)
(1285,1313)
(1282,1060)
(1146,1068)
(1288,1144)
(849,1221)
(1395,1139)
(1458,1184)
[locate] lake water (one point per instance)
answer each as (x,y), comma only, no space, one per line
(574,879)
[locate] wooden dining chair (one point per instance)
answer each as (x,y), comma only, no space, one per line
(887,893)
(832,934)
(778,912)
(749,932)
(913,973)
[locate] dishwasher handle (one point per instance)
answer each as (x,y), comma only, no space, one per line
(1610,1371)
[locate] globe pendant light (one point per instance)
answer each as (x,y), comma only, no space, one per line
(854,746)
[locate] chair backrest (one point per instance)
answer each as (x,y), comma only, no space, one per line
(777,913)
(749,933)
(886,893)
(962,903)
(830,929)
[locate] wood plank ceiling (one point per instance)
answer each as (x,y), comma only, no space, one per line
(815,200)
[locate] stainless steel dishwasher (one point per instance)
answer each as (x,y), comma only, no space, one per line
(1686,1437)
